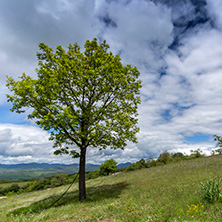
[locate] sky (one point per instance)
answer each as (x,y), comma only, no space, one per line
(175,44)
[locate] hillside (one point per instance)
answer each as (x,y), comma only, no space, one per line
(37,170)
(165,193)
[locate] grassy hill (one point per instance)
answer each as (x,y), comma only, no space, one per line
(165,193)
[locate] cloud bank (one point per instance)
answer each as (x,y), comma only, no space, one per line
(174,44)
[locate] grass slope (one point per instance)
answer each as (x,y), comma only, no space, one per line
(164,193)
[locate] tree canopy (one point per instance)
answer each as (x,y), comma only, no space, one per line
(84,99)
(108,167)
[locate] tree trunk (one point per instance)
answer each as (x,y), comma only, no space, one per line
(82,184)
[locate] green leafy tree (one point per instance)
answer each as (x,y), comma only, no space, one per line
(164,157)
(133,166)
(196,153)
(143,163)
(150,162)
(177,156)
(108,167)
(84,99)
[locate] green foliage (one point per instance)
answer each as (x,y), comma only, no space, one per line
(210,190)
(93,174)
(10,190)
(196,153)
(59,179)
(143,163)
(132,166)
(108,167)
(150,162)
(177,157)
(138,165)
(164,158)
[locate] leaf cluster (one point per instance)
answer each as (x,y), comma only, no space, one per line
(110,166)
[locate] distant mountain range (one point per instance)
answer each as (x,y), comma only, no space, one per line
(122,165)
(27,171)
(26,166)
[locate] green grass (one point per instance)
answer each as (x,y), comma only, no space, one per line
(165,193)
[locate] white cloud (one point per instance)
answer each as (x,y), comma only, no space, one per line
(184,100)
(25,24)
(23,143)
(214,8)
(134,34)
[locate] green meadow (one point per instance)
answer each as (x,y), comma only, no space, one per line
(170,192)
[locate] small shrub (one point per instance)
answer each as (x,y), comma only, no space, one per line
(210,190)
(133,166)
(108,167)
(196,153)
(93,174)
(150,162)
(164,158)
(176,157)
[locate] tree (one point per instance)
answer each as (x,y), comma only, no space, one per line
(197,153)
(164,157)
(177,156)
(219,144)
(84,99)
(108,167)
(218,139)
(150,162)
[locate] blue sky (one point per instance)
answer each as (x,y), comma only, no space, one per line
(175,44)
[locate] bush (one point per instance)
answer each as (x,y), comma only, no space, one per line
(1,191)
(210,190)
(143,163)
(164,158)
(133,166)
(176,157)
(93,174)
(108,167)
(13,188)
(196,153)
(150,162)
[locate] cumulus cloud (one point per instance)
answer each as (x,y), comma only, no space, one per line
(214,9)
(129,29)
(26,23)
(174,44)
